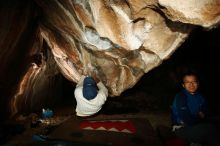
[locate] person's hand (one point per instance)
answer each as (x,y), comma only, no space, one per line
(201,115)
(95,77)
(175,127)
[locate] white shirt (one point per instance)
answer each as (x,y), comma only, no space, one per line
(86,107)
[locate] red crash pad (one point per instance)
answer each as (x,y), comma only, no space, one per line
(109,125)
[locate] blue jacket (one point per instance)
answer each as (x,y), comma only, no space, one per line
(185,108)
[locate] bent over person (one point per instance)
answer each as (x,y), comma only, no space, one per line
(189,114)
(90,95)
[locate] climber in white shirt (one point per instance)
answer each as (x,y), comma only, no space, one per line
(90,94)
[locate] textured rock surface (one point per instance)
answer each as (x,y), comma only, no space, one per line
(110,38)
(199,12)
(119,40)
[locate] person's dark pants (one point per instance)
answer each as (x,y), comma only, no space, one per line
(200,133)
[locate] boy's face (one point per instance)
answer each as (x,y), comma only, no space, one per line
(190,83)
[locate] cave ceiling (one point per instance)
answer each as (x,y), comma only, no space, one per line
(119,40)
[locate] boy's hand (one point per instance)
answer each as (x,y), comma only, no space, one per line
(201,115)
(175,127)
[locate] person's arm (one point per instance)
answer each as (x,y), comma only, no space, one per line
(203,108)
(102,94)
(102,88)
(176,119)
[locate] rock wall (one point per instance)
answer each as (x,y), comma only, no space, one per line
(117,40)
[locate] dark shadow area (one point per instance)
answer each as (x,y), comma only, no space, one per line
(67,97)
